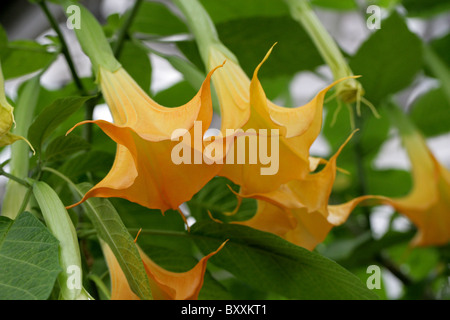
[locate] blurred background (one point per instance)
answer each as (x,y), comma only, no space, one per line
(23,20)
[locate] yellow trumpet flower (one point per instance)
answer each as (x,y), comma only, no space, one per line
(165,285)
(245,106)
(428,203)
(299,212)
(143,170)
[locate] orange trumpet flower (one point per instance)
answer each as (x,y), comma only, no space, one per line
(165,285)
(143,171)
(245,106)
(299,211)
(428,203)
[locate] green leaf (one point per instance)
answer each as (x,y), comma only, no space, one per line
(431,113)
(51,117)
(441,47)
(59,223)
(374,132)
(221,11)
(427,8)
(250,39)
(217,198)
(176,95)
(390,183)
(22,57)
(92,39)
(366,252)
(94,161)
(336,5)
(342,248)
(111,229)
(382,62)
(162,226)
(270,263)
(19,165)
(156,18)
(3,38)
(137,63)
(29,261)
(419,262)
(64,146)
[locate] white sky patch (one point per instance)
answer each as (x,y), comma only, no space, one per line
(304,86)
(187,213)
(394,287)
(101,112)
(164,75)
(379,219)
(320,147)
(392,154)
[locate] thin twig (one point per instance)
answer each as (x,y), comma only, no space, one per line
(64,47)
(14,178)
(394,269)
(362,183)
(123,31)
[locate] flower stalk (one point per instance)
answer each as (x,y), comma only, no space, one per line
(347,91)
(123,31)
(203,29)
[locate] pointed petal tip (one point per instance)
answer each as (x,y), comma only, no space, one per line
(255,73)
(212,218)
(76,204)
(79,124)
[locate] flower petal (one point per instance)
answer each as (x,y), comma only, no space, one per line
(294,130)
(428,203)
(144,170)
(165,285)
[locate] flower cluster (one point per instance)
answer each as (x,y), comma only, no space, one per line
(293,200)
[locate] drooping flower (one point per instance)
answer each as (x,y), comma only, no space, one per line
(346,92)
(428,203)
(278,151)
(299,211)
(143,170)
(165,285)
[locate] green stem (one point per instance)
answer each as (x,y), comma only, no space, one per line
(25,201)
(117,50)
(202,27)
(89,115)
(63,177)
(14,178)
(347,91)
(64,47)
(393,268)
(100,285)
(123,31)
(302,12)
(362,183)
